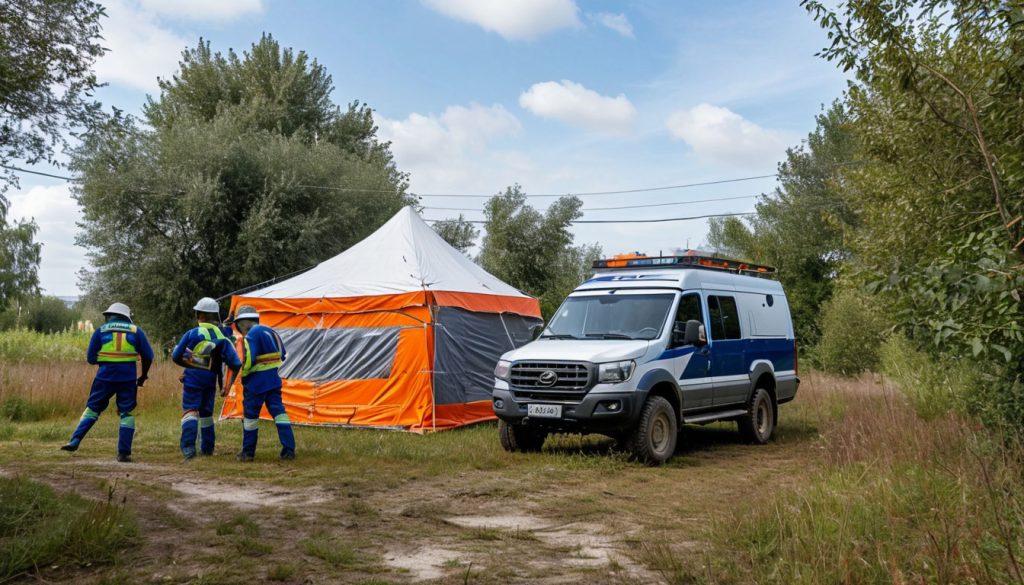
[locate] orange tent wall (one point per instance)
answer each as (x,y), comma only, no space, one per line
(405,399)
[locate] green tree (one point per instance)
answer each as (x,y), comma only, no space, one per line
(802,228)
(533,251)
(19,262)
(936,106)
(854,329)
(47,50)
(460,233)
(244,171)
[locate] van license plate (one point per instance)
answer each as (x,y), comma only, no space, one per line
(544,410)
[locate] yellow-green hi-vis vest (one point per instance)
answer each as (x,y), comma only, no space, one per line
(118,349)
(263,361)
(201,356)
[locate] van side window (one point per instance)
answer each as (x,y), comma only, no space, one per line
(689,309)
(725,318)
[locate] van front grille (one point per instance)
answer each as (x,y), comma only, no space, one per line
(551,376)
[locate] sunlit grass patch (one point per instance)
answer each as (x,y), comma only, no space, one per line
(25,345)
(333,551)
(240,524)
(280,572)
(898,498)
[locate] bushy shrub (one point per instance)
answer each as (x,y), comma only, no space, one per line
(995,396)
(51,315)
(934,386)
(42,314)
(853,329)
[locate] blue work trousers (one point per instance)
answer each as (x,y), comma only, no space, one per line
(251,406)
(99,397)
(197,418)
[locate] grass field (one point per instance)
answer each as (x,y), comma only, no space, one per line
(855,488)
(25,346)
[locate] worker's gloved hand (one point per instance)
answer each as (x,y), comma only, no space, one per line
(142,381)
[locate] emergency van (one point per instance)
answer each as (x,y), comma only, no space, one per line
(647,345)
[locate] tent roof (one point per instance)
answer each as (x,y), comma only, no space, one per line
(405,255)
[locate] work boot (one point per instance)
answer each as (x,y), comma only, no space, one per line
(244,457)
(287,454)
(124,457)
(71,447)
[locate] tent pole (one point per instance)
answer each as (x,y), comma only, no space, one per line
(431,336)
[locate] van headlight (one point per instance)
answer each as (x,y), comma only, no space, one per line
(614,372)
(501,371)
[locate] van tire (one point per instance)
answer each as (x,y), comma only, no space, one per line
(520,438)
(653,441)
(758,424)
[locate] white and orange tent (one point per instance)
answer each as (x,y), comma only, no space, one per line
(399,331)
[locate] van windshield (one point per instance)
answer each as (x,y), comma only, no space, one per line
(611,316)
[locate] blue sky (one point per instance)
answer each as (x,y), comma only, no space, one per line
(560,96)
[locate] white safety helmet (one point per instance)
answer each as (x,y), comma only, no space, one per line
(119,309)
(207,305)
(247,312)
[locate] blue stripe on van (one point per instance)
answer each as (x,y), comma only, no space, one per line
(778,351)
(674,353)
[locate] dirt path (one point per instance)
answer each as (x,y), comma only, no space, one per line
(530,524)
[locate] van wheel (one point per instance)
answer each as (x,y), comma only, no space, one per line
(653,441)
(520,438)
(758,424)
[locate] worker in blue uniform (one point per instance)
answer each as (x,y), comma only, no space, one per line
(202,351)
(115,347)
(262,353)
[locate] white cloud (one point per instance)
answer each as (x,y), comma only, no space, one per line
(139,50)
(720,135)
(447,152)
(576,105)
(617,22)
(56,213)
(204,10)
(515,20)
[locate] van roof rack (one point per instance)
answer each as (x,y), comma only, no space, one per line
(685,259)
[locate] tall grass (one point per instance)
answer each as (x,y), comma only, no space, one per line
(37,391)
(39,527)
(24,345)
(900,499)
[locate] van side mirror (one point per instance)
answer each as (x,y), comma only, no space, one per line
(691,335)
(536,330)
(688,333)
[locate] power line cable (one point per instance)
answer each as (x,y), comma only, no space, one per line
(657,220)
(473,195)
(836,206)
(619,192)
(40,173)
(646,205)
(489,196)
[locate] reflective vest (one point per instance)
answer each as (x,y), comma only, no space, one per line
(262,362)
(201,355)
(118,349)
